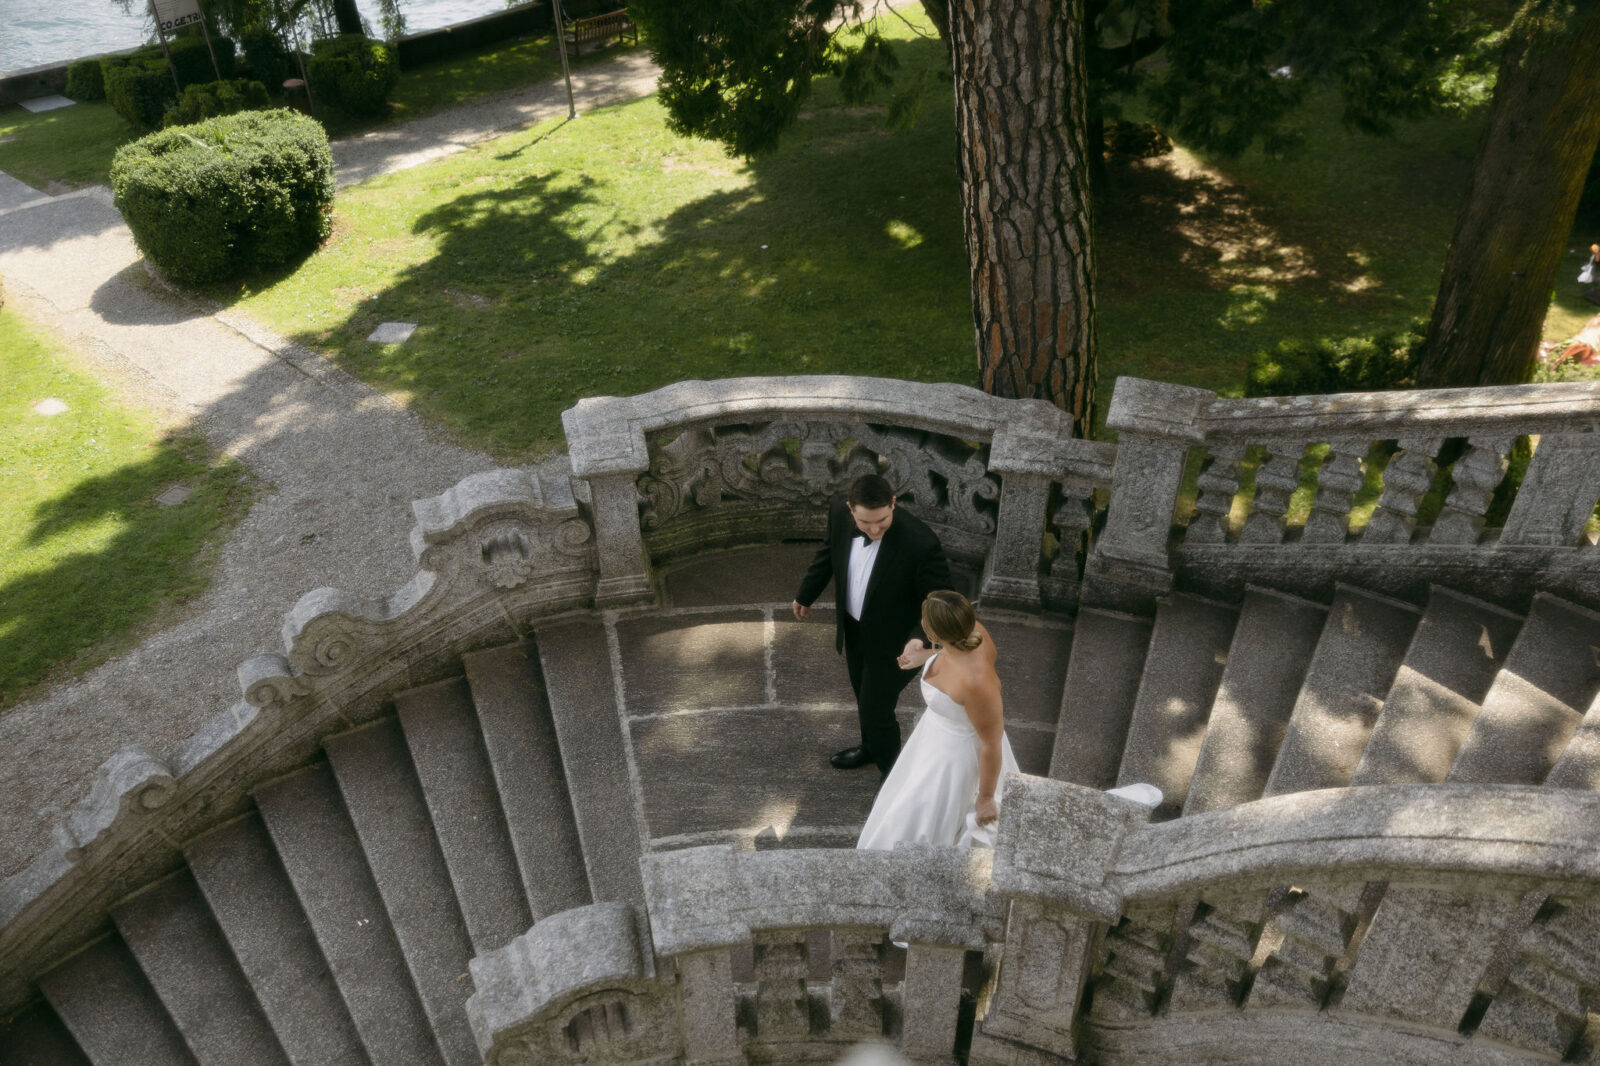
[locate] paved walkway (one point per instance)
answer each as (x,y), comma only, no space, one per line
(339,463)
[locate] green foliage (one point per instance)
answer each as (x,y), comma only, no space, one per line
(228,196)
(200,102)
(85,83)
(353,74)
(1136,140)
(737,71)
(139,87)
(1373,363)
(266,60)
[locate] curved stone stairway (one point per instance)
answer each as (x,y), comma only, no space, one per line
(333,924)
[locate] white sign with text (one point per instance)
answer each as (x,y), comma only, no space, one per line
(170,14)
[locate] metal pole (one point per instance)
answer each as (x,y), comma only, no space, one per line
(566,72)
(162,34)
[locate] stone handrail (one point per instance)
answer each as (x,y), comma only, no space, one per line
(703,464)
(1460,921)
(787,953)
(1420,437)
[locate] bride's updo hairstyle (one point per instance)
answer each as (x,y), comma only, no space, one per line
(947,617)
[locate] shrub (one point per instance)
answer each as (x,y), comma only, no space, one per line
(352,73)
(138,86)
(1386,360)
(1136,140)
(85,82)
(140,92)
(227,196)
(266,60)
(200,102)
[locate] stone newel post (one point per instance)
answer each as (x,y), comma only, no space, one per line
(1156,424)
(609,452)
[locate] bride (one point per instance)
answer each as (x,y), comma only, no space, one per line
(945,787)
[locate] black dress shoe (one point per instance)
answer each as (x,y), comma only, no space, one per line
(851,759)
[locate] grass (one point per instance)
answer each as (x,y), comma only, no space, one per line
(88,558)
(608,255)
(73,146)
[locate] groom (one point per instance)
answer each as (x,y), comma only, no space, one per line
(883,564)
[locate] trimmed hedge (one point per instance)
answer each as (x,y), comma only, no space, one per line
(1383,361)
(352,73)
(200,102)
(139,87)
(85,82)
(227,196)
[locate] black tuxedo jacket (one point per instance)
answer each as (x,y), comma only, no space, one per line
(910,565)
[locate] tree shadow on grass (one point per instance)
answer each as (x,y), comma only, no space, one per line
(77,611)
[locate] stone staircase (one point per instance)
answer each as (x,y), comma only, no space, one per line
(334,922)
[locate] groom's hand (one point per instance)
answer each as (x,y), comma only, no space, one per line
(801,611)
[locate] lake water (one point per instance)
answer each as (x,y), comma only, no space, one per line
(35,32)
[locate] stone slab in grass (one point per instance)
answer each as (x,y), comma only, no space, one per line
(50,406)
(46,103)
(392,333)
(174,495)
(729,770)
(690,662)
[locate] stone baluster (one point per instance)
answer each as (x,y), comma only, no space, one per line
(1073,519)
(1547,999)
(1134,976)
(1408,476)
(856,988)
(1558,492)
(707,998)
(1342,474)
(625,576)
(1156,425)
(1276,480)
(1222,940)
(1476,475)
(1313,931)
(1218,485)
(1011,575)
(783,1004)
(931,1000)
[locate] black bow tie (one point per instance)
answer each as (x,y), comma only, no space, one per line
(859,535)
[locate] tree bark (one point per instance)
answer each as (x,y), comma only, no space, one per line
(1543,127)
(347,15)
(1023,164)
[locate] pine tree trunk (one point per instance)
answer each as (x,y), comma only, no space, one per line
(347,15)
(1023,163)
(1543,126)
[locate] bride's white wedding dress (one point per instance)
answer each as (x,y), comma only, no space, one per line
(931,795)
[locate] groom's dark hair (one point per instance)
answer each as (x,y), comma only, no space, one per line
(870,491)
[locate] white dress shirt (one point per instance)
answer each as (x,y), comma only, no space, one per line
(863,553)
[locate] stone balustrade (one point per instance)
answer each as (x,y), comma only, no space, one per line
(1426,924)
(707,464)
(1329,450)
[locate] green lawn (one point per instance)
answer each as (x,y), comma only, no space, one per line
(74,145)
(88,558)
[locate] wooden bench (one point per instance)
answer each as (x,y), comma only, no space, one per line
(597,29)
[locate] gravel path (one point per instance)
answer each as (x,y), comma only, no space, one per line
(339,464)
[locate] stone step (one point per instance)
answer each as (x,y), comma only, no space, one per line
(1188,652)
(1579,765)
(524,756)
(1538,698)
(322,855)
(385,804)
(575,660)
(111,1010)
(1097,698)
(249,895)
(181,950)
(1448,668)
(459,795)
(1354,664)
(768,573)
(1267,662)
(34,1036)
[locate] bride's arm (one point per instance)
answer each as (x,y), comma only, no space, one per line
(984,710)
